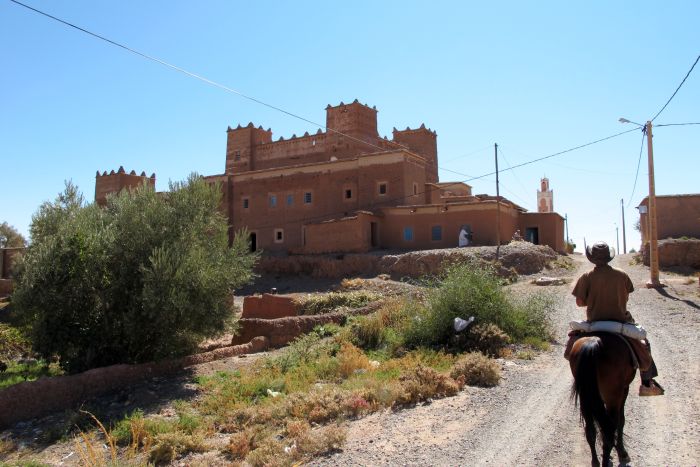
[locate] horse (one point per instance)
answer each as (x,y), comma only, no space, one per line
(603,369)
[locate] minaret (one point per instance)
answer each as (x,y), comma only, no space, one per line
(544,197)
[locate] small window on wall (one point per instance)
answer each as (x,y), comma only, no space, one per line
(246,203)
(408,234)
(273,201)
(279,235)
(382,188)
(237,156)
(307,197)
(290,200)
(415,188)
(348,194)
(436,233)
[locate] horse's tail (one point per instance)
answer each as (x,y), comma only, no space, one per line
(585,388)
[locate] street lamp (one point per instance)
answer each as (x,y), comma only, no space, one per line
(653,241)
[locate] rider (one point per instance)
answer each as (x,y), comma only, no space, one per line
(604,292)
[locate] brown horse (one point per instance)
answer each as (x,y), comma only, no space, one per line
(603,370)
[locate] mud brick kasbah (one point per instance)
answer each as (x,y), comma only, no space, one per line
(348,190)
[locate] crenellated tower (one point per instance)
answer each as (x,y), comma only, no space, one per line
(422,141)
(114,182)
(240,146)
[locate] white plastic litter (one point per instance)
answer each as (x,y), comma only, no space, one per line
(462,324)
(634,331)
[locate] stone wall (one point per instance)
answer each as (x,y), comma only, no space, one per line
(38,398)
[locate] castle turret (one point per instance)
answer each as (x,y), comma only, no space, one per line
(114,182)
(545,201)
(356,120)
(423,142)
(240,144)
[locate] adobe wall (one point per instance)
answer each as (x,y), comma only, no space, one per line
(281,331)
(268,306)
(327,184)
(676,216)
(34,399)
(481,217)
(677,252)
(550,226)
(523,257)
(106,184)
(348,235)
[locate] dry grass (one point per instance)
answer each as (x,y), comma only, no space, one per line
(426,383)
(477,370)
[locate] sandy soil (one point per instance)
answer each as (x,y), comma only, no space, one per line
(530,420)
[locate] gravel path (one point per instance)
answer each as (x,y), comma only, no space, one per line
(529,419)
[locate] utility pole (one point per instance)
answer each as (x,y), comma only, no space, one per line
(624,237)
(617,235)
(653,242)
(498,205)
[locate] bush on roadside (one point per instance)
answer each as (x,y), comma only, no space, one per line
(485,338)
(470,290)
(477,370)
(147,277)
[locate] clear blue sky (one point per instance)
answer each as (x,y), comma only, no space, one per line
(534,77)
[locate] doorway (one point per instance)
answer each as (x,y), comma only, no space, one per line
(373,235)
(253,241)
(532,235)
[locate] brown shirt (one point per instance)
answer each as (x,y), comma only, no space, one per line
(605,290)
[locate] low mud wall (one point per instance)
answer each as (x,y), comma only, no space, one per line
(281,331)
(677,252)
(34,399)
(521,257)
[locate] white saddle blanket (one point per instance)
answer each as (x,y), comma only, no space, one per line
(634,331)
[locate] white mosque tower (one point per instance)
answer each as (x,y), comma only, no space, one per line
(544,197)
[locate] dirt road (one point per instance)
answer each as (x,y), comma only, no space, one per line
(530,420)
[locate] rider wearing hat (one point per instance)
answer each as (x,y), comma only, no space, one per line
(604,292)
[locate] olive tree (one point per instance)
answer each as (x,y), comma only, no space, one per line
(147,277)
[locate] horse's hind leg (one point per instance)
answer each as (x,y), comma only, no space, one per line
(622,456)
(590,437)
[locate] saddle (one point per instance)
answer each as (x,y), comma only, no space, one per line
(639,350)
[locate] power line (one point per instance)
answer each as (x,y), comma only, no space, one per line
(391,201)
(674,93)
(676,124)
(639,161)
(202,78)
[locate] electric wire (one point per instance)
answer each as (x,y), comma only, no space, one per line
(291,114)
(639,162)
(391,202)
(676,124)
(677,89)
(202,78)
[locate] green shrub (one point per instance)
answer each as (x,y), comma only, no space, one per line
(147,277)
(381,330)
(477,370)
(471,290)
